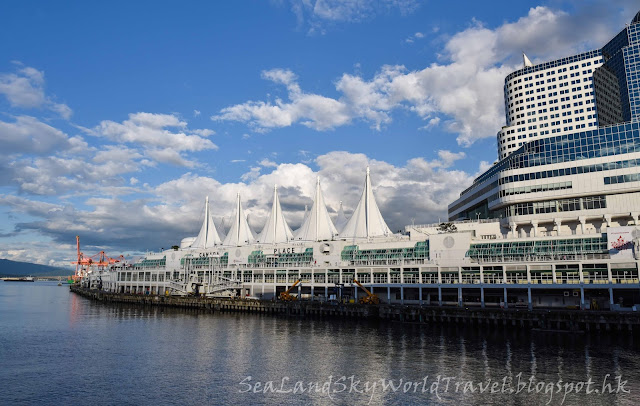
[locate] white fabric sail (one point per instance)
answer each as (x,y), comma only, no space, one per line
(366,220)
(317,225)
(240,233)
(208,236)
(341,219)
(276,229)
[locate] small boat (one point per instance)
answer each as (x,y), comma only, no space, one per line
(59,283)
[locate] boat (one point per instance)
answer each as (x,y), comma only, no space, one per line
(515,238)
(19,279)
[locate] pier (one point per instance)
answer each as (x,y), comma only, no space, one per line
(540,320)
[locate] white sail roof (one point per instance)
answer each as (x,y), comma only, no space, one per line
(526,61)
(366,220)
(317,225)
(276,230)
(240,233)
(208,235)
(341,219)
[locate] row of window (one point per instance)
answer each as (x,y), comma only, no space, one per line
(630,163)
(535,189)
(612,180)
(554,206)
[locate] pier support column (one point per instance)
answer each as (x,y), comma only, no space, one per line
(439,296)
(610,298)
(482,297)
(582,298)
(355,294)
(460,297)
(420,295)
(326,292)
(401,295)
(530,304)
(506,304)
(388,294)
(312,295)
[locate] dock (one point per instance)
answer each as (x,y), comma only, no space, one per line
(539,320)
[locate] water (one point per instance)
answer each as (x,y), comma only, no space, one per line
(59,348)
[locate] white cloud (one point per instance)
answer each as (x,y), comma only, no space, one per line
(196,113)
(462,93)
(311,110)
(318,14)
(28,135)
(268,163)
(25,89)
(164,137)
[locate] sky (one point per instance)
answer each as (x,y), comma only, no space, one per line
(118,118)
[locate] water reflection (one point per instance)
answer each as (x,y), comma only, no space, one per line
(51,340)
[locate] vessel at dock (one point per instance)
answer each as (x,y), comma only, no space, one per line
(553,224)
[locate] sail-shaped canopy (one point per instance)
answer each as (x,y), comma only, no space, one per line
(317,225)
(526,61)
(276,229)
(366,220)
(240,233)
(341,219)
(208,236)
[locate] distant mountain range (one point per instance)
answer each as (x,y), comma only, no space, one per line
(15,268)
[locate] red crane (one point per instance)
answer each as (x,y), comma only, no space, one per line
(84,263)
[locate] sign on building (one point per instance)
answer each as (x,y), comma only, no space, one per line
(620,242)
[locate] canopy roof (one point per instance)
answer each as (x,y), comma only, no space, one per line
(276,229)
(341,219)
(240,233)
(366,220)
(208,236)
(317,225)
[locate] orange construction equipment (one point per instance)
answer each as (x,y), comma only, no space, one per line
(83,263)
(370,298)
(286,296)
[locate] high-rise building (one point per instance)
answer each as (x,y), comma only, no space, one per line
(570,153)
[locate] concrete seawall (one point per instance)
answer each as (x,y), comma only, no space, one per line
(537,320)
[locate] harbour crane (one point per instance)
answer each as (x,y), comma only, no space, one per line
(84,263)
(286,296)
(370,298)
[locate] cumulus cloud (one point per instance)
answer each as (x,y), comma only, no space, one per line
(25,89)
(461,93)
(163,137)
(28,135)
(311,110)
(419,189)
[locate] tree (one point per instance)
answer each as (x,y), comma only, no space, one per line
(447,228)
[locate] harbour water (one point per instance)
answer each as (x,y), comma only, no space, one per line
(59,348)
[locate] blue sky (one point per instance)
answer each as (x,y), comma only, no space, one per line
(118,118)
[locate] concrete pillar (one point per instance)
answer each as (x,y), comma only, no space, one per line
(420,295)
(553,273)
(388,294)
(583,223)
(439,296)
(634,216)
(513,230)
(610,298)
(355,294)
(401,295)
(529,303)
(506,303)
(326,292)
(607,219)
(482,297)
(460,297)
(558,223)
(312,293)
(581,297)
(534,228)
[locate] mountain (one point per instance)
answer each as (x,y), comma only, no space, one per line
(15,268)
